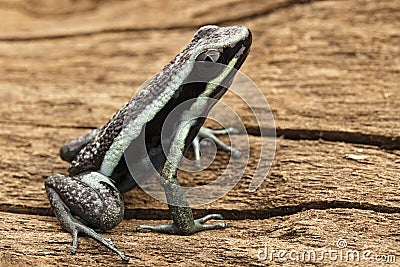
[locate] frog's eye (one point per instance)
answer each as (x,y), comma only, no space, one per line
(211,55)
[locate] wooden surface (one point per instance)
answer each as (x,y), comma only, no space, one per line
(329,69)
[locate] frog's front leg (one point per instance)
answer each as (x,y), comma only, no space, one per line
(92,197)
(181,213)
(71,149)
(182,216)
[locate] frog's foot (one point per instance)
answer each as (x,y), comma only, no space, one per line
(196,227)
(57,187)
(211,134)
(73,226)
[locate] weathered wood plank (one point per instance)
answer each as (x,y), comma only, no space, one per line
(313,230)
(325,66)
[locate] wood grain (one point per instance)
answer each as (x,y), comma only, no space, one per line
(329,70)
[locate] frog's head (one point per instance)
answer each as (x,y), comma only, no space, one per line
(213,57)
(202,73)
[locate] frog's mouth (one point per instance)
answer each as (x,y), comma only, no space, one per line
(239,51)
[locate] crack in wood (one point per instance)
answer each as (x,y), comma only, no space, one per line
(381,141)
(228,214)
(378,140)
(45,125)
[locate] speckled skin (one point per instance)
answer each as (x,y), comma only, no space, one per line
(98,172)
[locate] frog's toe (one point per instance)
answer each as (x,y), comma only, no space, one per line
(197,226)
(74,241)
(75,227)
(210,134)
(163,228)
(199,223)
(81,228)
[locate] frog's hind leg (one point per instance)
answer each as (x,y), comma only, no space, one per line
(71,149)
(93,198)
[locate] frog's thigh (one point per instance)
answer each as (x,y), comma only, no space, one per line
(90,196)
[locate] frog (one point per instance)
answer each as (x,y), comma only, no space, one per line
(89,200)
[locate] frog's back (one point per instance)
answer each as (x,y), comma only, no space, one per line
(103,154)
